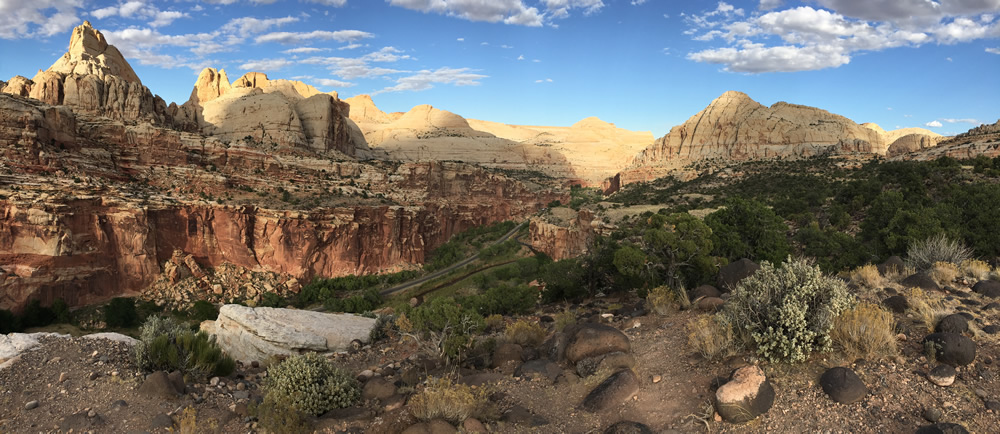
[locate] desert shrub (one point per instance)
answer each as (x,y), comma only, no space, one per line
(865,331)
(504,299)
(939,248)
(563,280)
(36,315)
(272,299)
(311,384)
(279,417)
(711,336)
(451,401)
(120,312)
(61,311)
(748,229)
(526,334)
(975,269)
(924,309)
(564,319)
(787,311)
(867,276)
(444,327)
(384,325)
(943,272)
(662,299)
(166,345)
(203,310)
(495,322)
(367,301)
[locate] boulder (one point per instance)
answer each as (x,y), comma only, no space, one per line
(614,390)
(710,304)
(539,368)
(987,288)
(954,323)
(507,353)
(920,280)
(943,428)
(894,264)
(705,291)
(745,396)
(942,375)
(843,385)
(951,348)
(257,334)
(435,426)
(378,388)
(628,427)
(734,272)
(896,303)
(159,385)
(588,340)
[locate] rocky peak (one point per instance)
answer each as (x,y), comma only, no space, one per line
(593,122)
(211,84)
(252,80)
(90,54)
(425,116)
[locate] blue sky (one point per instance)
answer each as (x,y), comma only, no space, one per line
(641,64)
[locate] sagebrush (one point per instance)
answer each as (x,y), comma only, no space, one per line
(166,345)
(786,312)
(311,384)
(939,248)
(711,337)
(526,334)
(867,276)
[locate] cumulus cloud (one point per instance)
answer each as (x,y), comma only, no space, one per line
(139,9)
(766,5)
(300,37)
(934,124)
(993,50)
(514,12)
(303,50)
(37,18)
(329,82)
(807,38)
(246,26)
(266,64)
(426,79)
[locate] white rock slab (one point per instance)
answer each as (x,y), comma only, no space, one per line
(13,344)
(258,334)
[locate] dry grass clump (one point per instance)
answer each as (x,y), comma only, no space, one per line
(495,322)
(976,269)
(454,402)
(867,276)
(865,331)
(525,334)
(661,300)
(711,337)
(564,319)
(943,272)
(922,255)
(925,309)
(895,274)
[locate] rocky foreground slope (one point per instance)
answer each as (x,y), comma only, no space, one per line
(100,187)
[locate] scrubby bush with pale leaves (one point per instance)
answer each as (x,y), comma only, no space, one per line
(976,269)
(311,384)
(787,312)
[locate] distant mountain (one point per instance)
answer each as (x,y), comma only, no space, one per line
(586,152)
(734,127)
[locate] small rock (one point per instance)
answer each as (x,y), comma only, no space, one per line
(241,386)
(943,428)
(932,414)
(942,375)
(981,393)
(953,349)
(474,426)
(62,377)
(628,427)
(614,390)
(254,364)
(94,375)
(214,381)
(31,405)
(896,303)
(993,405)
(954,323)
(991,329)
(378,388)
(843,385)
(241,394)
(657,379)
(91,414)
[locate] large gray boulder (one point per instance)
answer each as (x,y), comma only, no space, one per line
(259,334)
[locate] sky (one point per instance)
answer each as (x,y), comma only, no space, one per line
(644,65)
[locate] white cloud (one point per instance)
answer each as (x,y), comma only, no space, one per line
(805,38)
(994,50)
(303,50)
(962,121)
(514,12)
(386,54)
(638,2)
(521,57)
(246,26)
(460,39)
(139,9)
(329,82)
(334,3)
(426,79)
(766,5)
(36,18)
(547,80)
(300,37)
(934,124)
(266,64)
(164,18)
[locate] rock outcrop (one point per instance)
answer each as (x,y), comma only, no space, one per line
(561,241)
(982,140)
(905,140)
(736,128)
(266,112)
(264,333)
(93,78)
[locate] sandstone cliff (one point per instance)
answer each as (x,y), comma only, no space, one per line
(904,140)
(93,78)
(567,237)
(982,140)
(282,113)
(586,152)
(736,128)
